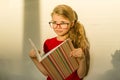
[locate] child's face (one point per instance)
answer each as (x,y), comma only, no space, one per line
(60,25)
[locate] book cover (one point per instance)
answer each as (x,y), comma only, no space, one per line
(58,62)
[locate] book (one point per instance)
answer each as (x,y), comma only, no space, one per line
(58,62)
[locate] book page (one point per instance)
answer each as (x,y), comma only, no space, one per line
(36,50)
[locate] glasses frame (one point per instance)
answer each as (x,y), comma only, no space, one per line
(60,24)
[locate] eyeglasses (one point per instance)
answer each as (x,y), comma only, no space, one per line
(54,25)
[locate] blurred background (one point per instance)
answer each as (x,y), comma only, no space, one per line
(24,19)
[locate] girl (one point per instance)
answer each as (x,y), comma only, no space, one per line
(65,24)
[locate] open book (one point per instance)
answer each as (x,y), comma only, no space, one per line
(58,62)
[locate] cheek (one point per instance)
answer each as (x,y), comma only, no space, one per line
(66,30)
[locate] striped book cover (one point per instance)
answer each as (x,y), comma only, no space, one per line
(58,62)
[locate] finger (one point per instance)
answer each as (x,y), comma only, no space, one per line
(39,51)
(71,53)
(32,51)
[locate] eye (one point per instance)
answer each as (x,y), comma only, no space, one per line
(62,23)
(54,22)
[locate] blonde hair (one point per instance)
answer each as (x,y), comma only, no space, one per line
(77,32)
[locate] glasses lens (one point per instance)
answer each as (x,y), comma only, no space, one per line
(52,24)
(55,25)
(64,25)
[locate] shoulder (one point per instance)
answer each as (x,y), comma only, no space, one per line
(49,44)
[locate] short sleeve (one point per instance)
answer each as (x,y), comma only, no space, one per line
(45,47)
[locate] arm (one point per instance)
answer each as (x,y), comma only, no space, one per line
(83,59)
(82,68)
(37,63)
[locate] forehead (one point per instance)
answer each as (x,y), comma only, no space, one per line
(57,17)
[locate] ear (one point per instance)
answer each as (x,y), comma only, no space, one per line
(72,24)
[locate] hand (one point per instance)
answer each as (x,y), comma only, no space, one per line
(77,53)
(32,53)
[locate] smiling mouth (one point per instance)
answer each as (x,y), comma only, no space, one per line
(59,31)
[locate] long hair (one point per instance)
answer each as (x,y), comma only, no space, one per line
(77,32)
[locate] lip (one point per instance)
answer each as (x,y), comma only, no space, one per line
(59,31)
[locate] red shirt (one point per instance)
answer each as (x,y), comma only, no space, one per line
(50,44)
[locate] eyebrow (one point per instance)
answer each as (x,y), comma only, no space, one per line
(61,21)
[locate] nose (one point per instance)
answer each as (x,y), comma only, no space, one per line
(58,26)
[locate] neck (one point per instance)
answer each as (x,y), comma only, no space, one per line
(62,38)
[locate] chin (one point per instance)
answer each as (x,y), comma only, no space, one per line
(60,33)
